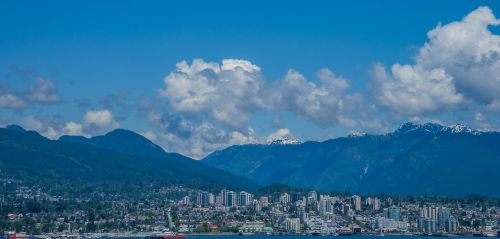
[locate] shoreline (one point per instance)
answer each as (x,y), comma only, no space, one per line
(229,234)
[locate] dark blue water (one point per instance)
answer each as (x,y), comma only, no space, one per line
(301,237)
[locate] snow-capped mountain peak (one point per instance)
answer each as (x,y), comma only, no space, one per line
(356,134)
(285,140)
(459,128)
(436,128)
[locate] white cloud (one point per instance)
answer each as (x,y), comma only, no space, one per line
(93,123)
(101,118)
(278,134)
(204,139)
(412,90)
(44,127)
(325,104)
(11,101)
(99,121)
(459,64)
(44,91)
(234,64)
(209,105)
(227,94)
(469,52)
(328,78)
(72,128)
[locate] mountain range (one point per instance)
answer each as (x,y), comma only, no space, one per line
(119,156)
(415,159)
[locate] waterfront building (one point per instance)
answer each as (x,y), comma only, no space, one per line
(432,212)
(391,224)
(443,218)
(301,213)
(427,225)
(292,225)
(452,225)
(394,213)
(253,227)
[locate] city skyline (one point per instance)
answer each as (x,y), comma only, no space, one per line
(206,119)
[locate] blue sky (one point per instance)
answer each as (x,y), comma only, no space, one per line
(86,67)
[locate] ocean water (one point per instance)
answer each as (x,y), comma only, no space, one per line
(299,237)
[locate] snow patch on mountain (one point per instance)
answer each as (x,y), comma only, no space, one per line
(436,128)
(356,134)
(285,140)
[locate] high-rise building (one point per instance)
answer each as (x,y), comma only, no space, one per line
(228,198)
(388,201)
(285,198)
(452,225)
(376,204)
(428,225)
(256,206)
(423,213)
(356,201)
(264,201)
(432,212)
(202,199)
(347,209)
(292,225)
(443,220)
(296,197)
(301,213)
(218,199)
(185,200)
(312,197)
(326,204)
(211,199)
(244,198)
(394,213)
(369,201)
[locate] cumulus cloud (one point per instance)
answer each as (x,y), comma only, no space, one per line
(92,123)
(99,121)
(411,89)
(458,65)
(209,105)
(469,52)
(329,78)
(325,104)
(72,128)
(205,138)
(46,127)
(190,136)
(226,93)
